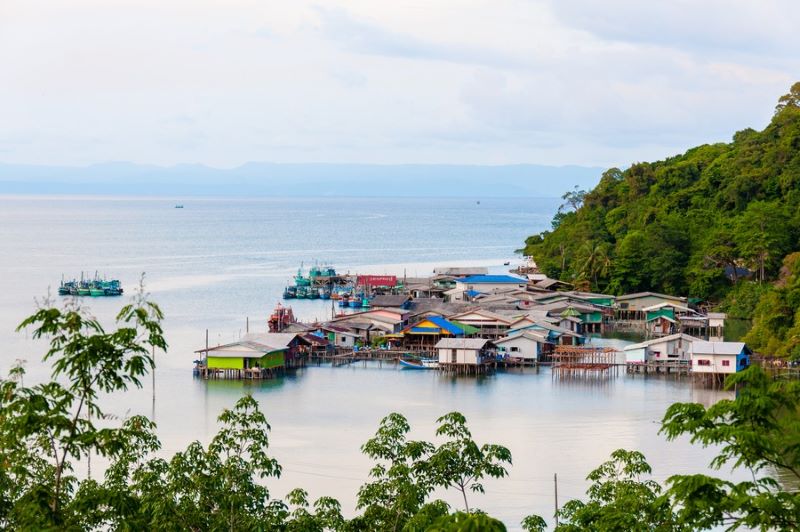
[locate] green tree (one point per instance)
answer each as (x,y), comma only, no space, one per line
(619,499)
(460,462)
(630,271)
(759,431)
(573,199)
(762,237)
(790,100)
(47,428)
(400,481)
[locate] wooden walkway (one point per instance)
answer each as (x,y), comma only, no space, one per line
(342,357)
(241,374)
(665,368)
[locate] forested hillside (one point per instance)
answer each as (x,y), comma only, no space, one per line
(715,223)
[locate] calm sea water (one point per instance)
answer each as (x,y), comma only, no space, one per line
(215,263)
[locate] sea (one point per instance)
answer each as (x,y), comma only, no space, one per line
(220,265)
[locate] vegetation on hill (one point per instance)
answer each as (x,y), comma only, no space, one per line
(715,223)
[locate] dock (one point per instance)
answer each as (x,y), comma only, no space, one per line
(658,367)
(584,362)
(205,372)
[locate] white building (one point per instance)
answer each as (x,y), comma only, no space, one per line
(522,344)
(463,350)
(716,326)
(675,347)
(719,357)
(484,284)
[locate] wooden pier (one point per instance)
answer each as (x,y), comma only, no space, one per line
(663,367)
(344,356)
(584,362)
(241,374)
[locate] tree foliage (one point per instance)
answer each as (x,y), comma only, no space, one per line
(49,430)
(694,224)
(759,431)
(620,499)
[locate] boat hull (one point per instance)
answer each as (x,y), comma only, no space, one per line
(428,364)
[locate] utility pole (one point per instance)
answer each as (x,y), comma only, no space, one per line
(555,486)
(153,416)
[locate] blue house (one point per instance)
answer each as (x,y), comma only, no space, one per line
(720,357)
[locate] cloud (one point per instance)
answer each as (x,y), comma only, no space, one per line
(363,37)
(719,26)
(451,81)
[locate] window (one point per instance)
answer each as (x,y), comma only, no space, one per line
(454,355)
(743,362)
(703,362)
(515,349)
(726,362)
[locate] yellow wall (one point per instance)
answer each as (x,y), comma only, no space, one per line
(225,363)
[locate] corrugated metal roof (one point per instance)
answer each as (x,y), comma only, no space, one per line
(389,300)
(461,343)
(637,295)
(666,304)
(492,279)
(523,334)
(655,341)
(717,348)
(461,270)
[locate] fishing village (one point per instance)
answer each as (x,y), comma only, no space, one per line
(466,321)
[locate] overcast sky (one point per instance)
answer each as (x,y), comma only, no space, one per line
(428,81)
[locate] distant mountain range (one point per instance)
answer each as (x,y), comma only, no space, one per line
(268,179)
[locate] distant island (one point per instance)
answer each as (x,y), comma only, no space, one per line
(720,223)
(269,179)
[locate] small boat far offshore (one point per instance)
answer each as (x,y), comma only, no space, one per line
(423,363)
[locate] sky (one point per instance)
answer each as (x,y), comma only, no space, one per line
(431,81)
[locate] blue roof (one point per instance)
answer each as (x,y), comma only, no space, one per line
(473,293)
(494,279)
(450,327)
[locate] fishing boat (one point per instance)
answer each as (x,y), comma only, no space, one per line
(290,292)
(422,363)
(179,206)
(281,318)
(95,287)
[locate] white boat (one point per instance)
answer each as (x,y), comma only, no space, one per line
(423,363)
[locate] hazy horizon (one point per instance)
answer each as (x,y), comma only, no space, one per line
(269,179)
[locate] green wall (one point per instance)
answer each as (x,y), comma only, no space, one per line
(225,362)
(271,360)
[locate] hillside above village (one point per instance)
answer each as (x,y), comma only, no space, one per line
(717,223)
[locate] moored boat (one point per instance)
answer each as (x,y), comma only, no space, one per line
(95,288)
(422,363)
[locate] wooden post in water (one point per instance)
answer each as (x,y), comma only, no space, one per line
(555,486)
(247,325)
